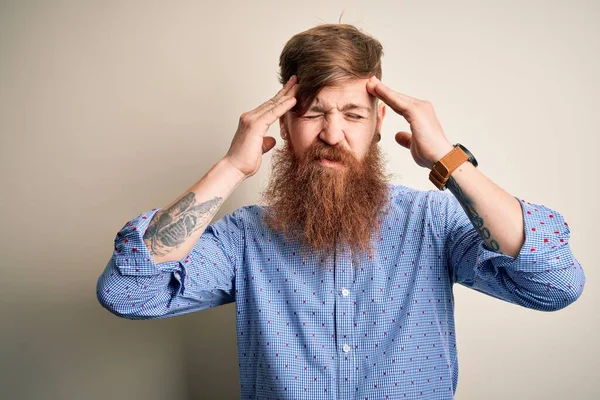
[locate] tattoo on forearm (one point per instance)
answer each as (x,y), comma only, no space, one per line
(475,218)
(169,228)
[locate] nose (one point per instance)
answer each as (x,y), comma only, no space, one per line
(333,130)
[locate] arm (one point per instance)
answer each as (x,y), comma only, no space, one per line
(537,269)
(495,214)
(542,274)
(182,264)
(519,253)
(166,271)
(174,230)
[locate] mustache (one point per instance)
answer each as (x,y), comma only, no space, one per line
(320,150)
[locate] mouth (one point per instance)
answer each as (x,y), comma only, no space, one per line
(330,163)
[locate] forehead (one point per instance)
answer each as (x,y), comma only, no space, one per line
(351,91)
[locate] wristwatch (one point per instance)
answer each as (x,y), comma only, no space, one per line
(441,170)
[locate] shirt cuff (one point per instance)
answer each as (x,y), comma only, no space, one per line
(545,232)
(131,255)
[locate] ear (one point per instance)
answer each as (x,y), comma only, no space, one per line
(283,131)
(381,110)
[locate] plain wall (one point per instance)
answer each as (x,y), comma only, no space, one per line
(111,108)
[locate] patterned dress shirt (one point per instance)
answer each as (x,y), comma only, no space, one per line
(345,326)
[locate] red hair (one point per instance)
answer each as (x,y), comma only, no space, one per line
(327,55)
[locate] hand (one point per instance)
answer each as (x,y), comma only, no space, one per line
(249,142)
(427,142)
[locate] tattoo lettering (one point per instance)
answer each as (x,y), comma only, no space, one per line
(169,228)
(475,218)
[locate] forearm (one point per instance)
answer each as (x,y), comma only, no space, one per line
(175,229)
(495,214)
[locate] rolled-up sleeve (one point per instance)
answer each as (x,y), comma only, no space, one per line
(544,275)
(133,286)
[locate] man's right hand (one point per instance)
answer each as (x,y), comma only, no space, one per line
(250,143)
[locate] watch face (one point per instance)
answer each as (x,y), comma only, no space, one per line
(472,158)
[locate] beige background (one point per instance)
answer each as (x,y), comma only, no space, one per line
(110,108)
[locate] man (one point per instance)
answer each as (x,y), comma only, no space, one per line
(342,282)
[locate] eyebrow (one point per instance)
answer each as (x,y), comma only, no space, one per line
(348,106)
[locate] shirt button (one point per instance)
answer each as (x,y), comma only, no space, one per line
(345,292)
(346,348)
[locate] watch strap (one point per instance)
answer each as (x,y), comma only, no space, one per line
(441,170)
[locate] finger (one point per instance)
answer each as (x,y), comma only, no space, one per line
(285,104)
(400,103)
(267,105)
(289,87)
(403,139)
(293,81)
(268,143)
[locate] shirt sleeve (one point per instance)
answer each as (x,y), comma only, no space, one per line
(545,274)
(134,287)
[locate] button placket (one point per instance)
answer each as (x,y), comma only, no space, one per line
(344,317)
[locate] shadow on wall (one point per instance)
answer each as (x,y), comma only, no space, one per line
(79,351)
(210,357)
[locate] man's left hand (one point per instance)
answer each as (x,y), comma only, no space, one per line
(427,142)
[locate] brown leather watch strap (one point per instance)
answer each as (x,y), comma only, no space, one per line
(441,170)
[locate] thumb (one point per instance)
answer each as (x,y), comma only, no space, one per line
(268,143)
(404,138)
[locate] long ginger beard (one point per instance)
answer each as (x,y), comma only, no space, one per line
(323,206)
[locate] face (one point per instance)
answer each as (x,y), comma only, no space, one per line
(345,116)
(328,181)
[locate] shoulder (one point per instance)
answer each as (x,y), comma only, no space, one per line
(432,207)
(249,212)
(401,194)
(249,217)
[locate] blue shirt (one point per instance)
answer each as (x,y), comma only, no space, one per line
(345,326)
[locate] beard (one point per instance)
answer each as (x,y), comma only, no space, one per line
(322,206)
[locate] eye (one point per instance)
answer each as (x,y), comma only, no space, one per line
(355,116)
(311,116)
